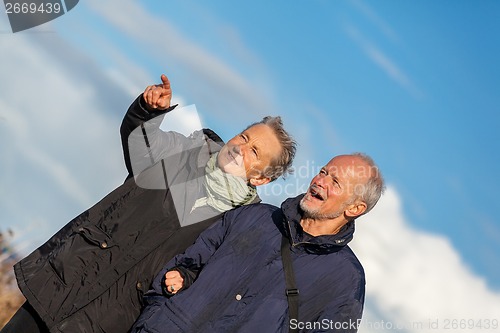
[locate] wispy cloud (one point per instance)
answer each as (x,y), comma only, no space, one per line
(216,85)
(63,147)
(60,112)
(384,62)
(375,53)
(373,17)
(27,119)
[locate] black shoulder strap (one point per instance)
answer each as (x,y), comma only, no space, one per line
(292,293)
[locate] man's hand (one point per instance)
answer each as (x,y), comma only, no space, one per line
(158,96)
(173,281)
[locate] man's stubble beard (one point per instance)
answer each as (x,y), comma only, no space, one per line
(316,215)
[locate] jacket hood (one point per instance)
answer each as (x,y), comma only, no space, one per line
(292,213)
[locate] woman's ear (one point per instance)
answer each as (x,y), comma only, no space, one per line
(259,181)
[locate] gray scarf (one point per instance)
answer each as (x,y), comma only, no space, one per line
(224,191)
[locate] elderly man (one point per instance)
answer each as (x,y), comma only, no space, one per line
(91,275)
(232,279)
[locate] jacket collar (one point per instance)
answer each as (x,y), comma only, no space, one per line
(314,244)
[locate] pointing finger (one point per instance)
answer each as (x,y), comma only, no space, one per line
(165,81)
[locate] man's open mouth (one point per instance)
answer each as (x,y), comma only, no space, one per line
(313,190)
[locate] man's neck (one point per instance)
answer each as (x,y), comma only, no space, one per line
(316,227)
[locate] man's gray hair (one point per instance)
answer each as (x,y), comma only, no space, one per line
(370,191)
(282,164)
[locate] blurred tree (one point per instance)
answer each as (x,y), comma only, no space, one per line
(10,296)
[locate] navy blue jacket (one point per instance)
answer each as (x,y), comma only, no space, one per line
(239,281)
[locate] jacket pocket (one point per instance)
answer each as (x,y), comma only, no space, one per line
(155,319)
(81,256)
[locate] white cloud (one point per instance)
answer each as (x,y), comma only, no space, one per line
(416,277)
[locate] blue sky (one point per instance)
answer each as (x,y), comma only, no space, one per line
(413,84)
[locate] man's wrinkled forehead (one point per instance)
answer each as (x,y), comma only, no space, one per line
(349,166)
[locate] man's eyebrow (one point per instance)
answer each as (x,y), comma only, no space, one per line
(245,133)
(333,175)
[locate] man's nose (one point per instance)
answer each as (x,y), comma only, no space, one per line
(319,181)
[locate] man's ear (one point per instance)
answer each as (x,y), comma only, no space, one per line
(355,209)
(259,181)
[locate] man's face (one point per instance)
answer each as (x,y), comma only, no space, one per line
(335,187)
(249,153)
